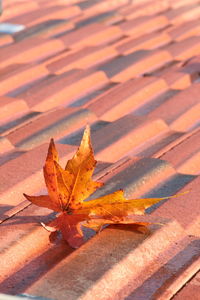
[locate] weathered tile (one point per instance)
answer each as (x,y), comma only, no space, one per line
(77,62)
(83,58)
(91,35)
(48,13)
(183,14)
(126,97)
(170,277)
(11,108)
(191,289)
(15,8)
(108,18)
(184,49)
(5,40)
(49,125)
(185,157)
(136,27)
(145,42)
(123,134)
(91,6)
(46,29)
(20,75)
(175,78)
(63,89)
(144,9)
(181,208)
(183,107)
(180,3)
(183,31)
(5,145)
(135,64)
(33,50)
(192,67)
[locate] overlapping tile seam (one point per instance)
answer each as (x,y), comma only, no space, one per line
(131,70)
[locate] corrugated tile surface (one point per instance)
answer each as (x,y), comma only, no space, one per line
(131,70)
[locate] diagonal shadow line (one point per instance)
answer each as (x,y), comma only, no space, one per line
(18,282)
(154,286)
(21,280)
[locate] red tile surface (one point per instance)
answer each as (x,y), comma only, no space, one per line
(91,35)
(144,9)
(82,59)
(136,27)
(135,64)
(176,78)
(185,49)
(183,31)
(131,70)
(56,123)
(20,75)
(5,40)
(184,109)
(5,145)
(185,156)
(33,50)
(147,41)
(62,89)
(17,8)
(183,13)
(126,97)
(41,15)
(190,290)
(11,107)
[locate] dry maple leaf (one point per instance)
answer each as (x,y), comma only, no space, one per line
(69,187)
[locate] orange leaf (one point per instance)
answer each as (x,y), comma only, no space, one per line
(69,187)
(44,201)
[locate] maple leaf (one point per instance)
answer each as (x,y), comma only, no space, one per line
(69,187)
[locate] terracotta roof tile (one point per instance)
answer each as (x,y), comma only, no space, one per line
(131,70)
(16,8)
(91,35)
(41,15)
(123,134)
(147,41)
(5,145)
(11,108)
(49,28)
(108,18)
(183,31)
(183,14)
(33,50)
(190,290)
(82,59)
(51,92)
(56,123)
(126,97)
(135,64)
(185,157)
(136,27)
(135,10)
(192,67)
(20,75)
(180,3)
(5,40)
(184,49)
(184,109)
(175,77)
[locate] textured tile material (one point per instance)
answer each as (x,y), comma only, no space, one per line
(131,70)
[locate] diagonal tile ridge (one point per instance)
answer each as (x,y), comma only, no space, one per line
(130,69)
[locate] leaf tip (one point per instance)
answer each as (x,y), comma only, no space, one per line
(26,196)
